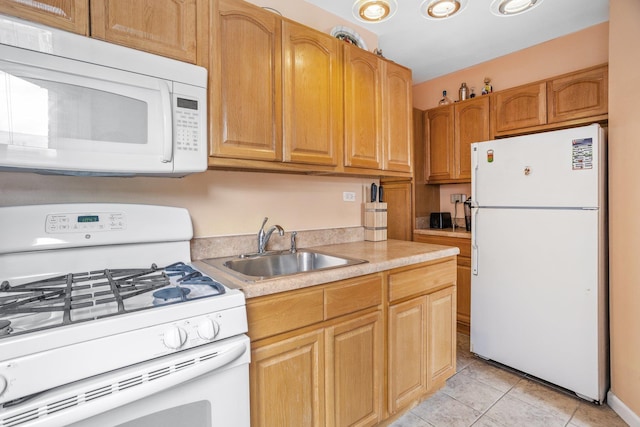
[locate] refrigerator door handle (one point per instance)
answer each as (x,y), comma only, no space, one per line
(474,243)
(474,173)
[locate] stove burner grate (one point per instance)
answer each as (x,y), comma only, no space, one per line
(66,293)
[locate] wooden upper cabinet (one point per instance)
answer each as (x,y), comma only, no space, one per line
(246,83)
(69,15)
(521,107)
(471,125)
(438,133)
(313,131)
(172,28)
(578,95)
(397,115)
(363,103)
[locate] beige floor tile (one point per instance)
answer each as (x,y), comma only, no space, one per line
(544,397)
(471,392)
(463,361)
(486,421)
(443,410)
(498,378)
(589,415)
(510,411)
(410,420)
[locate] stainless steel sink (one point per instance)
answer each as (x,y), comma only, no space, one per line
(270,265)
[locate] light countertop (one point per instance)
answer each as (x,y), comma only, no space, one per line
(381,256)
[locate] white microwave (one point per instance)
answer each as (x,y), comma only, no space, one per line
(74,105)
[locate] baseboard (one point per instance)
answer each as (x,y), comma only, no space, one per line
(622,410)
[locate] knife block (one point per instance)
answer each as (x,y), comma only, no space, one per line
(375,221)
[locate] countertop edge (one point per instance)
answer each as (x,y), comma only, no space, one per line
(381,256)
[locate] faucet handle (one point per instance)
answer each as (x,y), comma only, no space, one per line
(293,249)
(264,222)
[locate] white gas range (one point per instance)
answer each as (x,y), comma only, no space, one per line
(104,321)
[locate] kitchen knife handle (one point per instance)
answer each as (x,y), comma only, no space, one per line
(374,192)
(380,194)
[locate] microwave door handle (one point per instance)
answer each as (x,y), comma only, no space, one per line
(167,122)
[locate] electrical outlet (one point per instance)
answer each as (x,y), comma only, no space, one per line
(348,196)
(460,198)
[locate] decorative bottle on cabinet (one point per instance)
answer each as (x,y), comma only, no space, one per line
(445,100)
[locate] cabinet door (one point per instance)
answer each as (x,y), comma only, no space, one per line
(441,328)
(312,96)
(354,372)
(287,382)
(246,83)
(471,125)
(520,107)
(69,15)
(439,135)
(397,196)
(578,95)
(398,115)
(363,103)
(407,341)
(463,291)
(165,27)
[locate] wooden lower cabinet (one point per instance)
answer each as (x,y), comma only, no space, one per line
(463,288)
(349,340)
(422,334)
(287,382)
(441,330)
(354,371)
(407,352)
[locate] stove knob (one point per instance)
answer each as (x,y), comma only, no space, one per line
(3,384)
(208,329)
(174,337)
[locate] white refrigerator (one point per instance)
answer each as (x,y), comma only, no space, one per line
(539,257)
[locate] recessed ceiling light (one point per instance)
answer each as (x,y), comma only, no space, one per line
(512,7)
(374,11)
(440,9)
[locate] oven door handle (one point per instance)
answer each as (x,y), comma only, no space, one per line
(96,395)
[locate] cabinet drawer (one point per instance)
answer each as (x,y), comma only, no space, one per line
(273,315)
(353,295)
(421,280)
(463,244)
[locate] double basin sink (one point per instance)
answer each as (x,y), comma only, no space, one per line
(277,264)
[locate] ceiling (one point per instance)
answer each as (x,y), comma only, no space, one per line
(435,48)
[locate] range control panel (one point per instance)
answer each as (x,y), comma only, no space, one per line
(85,222)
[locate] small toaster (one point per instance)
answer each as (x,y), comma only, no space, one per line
(440,220)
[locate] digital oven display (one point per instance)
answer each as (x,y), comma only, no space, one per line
(88,218)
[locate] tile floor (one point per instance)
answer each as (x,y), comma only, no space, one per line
(482,394)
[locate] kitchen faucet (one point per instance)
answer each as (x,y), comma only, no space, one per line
(263,237)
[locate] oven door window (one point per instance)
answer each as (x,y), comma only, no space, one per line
(90,118)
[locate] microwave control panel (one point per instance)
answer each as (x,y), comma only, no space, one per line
(187,117)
